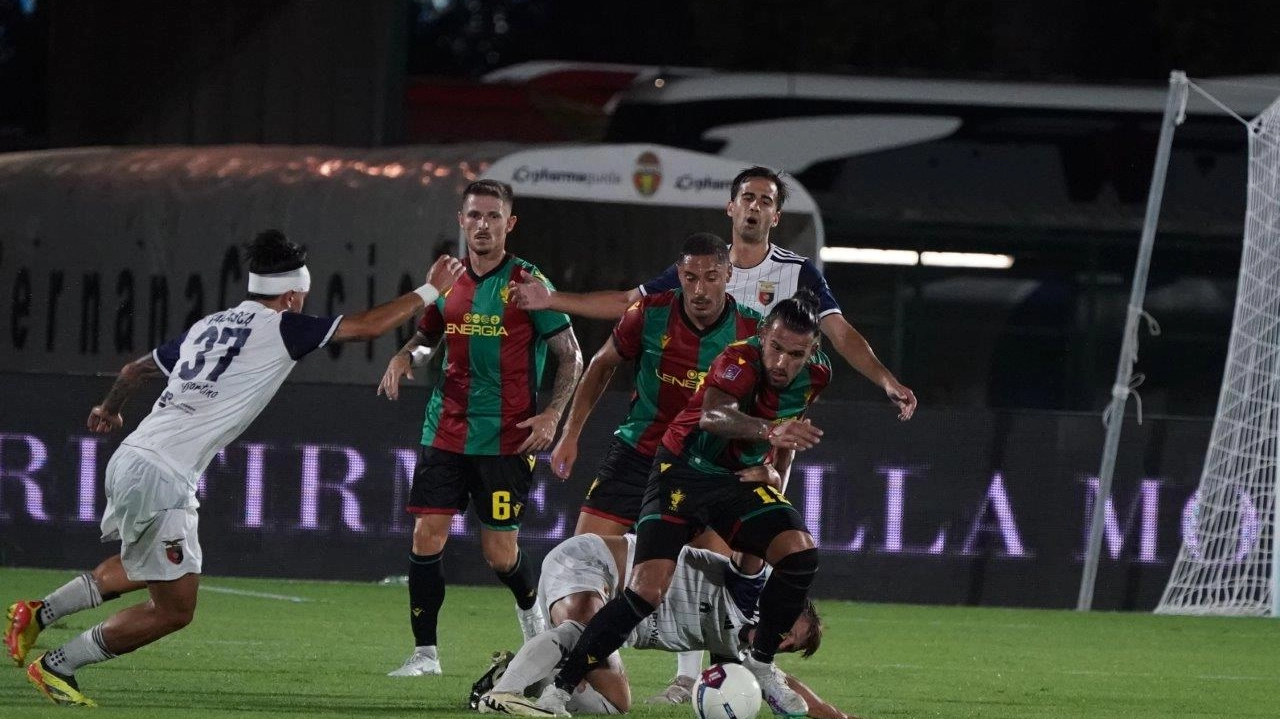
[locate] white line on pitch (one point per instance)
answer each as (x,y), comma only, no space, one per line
(258,595)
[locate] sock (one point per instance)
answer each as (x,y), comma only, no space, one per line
(522,580)
(603,635)
(88,648)
(538,658)
(426,595)
(782,601)
(589,701)
(689,664)
(76,595)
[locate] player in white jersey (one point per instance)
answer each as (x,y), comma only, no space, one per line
(709,606)
(221,373)
(761,274)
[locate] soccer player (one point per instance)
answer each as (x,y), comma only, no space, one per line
(763,273)
(222,373)
(482,426)
(672,337)
(710,606)
(751,402)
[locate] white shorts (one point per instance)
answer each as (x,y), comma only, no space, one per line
(578,564)
(151,511)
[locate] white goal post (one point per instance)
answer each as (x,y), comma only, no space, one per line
(1229,561)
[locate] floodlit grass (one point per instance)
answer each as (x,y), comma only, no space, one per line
(327,656)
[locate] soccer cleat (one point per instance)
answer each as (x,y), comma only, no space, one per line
(59,689)
(782,699)
(532,623)
(497,667)
(21,629)
(421,663)
(554,701)
(507,703)
(677,692)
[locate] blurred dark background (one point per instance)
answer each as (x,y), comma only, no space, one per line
(1041,335)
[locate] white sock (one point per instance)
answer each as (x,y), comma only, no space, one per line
(538,658)
(88,648)
(689,664)
(76,595)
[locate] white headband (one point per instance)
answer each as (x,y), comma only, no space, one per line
(278,283)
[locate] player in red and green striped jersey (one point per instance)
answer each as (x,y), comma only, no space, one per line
(482,423)
(672,337)
(713,471)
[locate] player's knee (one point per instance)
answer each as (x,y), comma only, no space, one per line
(798,568)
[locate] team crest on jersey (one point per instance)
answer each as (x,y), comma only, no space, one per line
(173,551)
(504,294)
(766,291)
(676,498)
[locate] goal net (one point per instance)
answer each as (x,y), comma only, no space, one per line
(1229,560)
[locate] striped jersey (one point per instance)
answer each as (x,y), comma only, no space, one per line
(706,607)
(671,357)
(222,373)
(494,354)
(739,372)
(777,277)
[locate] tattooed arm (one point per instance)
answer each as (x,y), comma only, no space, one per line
(106,416)
(542,426)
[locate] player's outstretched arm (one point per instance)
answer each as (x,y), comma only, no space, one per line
(590,387)
(542,426)
(721,416)
(377,321)
(530,295)
(106,416)
(818,709)
(854,348)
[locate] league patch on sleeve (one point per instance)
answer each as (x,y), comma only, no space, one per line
(731,372)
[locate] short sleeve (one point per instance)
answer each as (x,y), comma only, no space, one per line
(733,372)
(432,320)
(166,355)
(811,278)
(304,333)
(545,322)
(668,280)
(628,334)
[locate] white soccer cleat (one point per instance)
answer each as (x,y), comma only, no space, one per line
(782,699)
(554,701)
(423,662)
(532,623)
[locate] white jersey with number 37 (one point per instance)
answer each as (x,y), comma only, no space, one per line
(222,373)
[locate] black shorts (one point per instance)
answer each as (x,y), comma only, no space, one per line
(617,492)
(444,482)
(681,500)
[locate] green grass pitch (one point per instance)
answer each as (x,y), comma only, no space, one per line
(327,656)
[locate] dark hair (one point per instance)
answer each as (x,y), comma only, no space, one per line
(702,244)
(812,639)
(764,172)
(272,252)
(798,313)
(491,188)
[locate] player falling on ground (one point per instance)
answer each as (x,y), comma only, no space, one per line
(709,606)
(763,274)
(482,426)
(752,402)
(221,374)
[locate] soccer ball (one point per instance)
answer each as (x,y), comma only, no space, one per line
(726,691)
